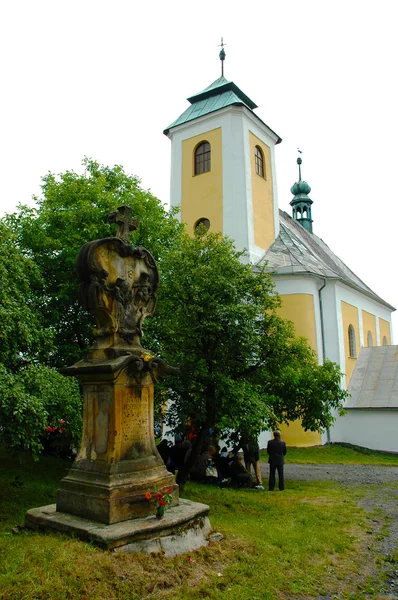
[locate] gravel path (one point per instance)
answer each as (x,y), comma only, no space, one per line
(380,501)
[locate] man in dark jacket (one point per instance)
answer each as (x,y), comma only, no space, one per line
(276,449)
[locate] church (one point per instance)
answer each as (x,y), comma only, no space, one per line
(223,177)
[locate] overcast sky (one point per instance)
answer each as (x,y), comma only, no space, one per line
(104,78)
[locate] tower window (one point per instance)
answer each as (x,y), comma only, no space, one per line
(259,160)
(202,158)
(352,342)
(370,339)
(205,223)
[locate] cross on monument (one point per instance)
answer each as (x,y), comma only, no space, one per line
(124,223)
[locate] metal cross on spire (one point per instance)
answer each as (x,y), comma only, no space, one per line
(124,223)
(222,56)
(299,161)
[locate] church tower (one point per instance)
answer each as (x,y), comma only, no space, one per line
(223,167)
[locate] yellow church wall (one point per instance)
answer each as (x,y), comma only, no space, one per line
(299,308)
(368,324)
(294,435)
(262,200)
(384,327)
(202,194)
(349,315)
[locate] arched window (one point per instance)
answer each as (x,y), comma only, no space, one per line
(352,342)
(202,158)
(259,160)
(370,339)
(385,341)
(205,223)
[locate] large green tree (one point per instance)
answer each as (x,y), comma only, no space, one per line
(24,336)
(241,366)
(72,210)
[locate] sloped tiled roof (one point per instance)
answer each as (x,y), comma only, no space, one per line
(374,382)
(296,251)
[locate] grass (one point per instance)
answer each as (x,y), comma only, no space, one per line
(308,541)
(337,454)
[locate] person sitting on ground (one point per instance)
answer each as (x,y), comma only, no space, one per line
(212,475)
(239,476)
(222,461)
(164,451)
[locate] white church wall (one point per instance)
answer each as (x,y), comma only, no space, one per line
(331,322)
(369,428)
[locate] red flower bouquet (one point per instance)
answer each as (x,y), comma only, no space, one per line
(163,497)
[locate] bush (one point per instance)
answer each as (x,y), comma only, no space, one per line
(40,410)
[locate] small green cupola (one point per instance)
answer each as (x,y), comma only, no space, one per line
(301,203)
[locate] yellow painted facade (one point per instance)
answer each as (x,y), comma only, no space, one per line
(294,435)
(299,308)
(384,327)
(262,196)
(202,195)
(369,326)
(349,317)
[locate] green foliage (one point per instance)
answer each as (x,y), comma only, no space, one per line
(71,211)
(33,399)
(241,366)
(23,336)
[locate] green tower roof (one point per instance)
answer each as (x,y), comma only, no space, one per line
(217,95)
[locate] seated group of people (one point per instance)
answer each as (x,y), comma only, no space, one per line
(215,466)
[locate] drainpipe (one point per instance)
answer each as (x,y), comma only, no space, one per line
(322,324)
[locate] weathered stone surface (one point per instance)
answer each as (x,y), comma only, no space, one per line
(118,461)
(182,529)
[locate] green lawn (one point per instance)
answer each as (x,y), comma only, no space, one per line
(336,454)
(308,541)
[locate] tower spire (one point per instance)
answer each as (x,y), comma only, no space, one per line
(301,203)
(222,56)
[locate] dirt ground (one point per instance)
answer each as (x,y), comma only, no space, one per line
(380,500)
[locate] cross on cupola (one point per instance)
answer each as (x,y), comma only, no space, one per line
(124,222)
(222,56)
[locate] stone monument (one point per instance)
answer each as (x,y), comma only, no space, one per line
(102,499)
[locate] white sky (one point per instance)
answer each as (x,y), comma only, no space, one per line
(104,78)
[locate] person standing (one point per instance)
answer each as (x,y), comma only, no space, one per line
(276,449)
(251,452)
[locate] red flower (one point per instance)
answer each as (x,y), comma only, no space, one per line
(158,495)
(168,490)
(62,422)
(148,495)
(49,429)
(162,503)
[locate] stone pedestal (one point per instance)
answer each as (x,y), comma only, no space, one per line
(117,462)
(184,528)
